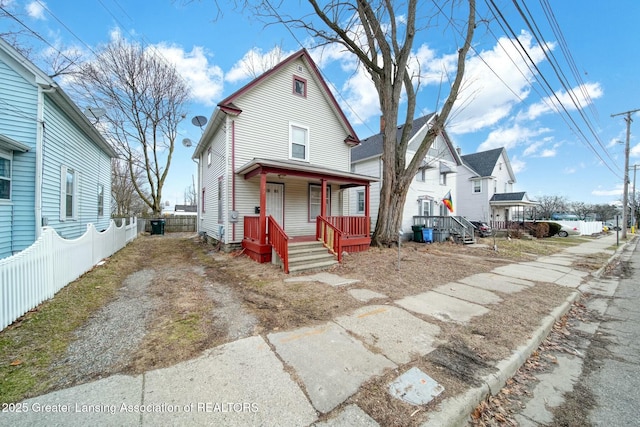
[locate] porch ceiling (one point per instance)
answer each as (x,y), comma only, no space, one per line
(303,170)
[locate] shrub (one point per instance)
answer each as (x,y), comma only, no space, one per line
(541,229)
(554,228)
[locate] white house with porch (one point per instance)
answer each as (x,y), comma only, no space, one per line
(274,171)
(485,185)
(435,181)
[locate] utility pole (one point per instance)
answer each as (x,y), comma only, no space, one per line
(625,187)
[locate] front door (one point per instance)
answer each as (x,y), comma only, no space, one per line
(275,202)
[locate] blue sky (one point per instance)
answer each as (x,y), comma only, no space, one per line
(555,148)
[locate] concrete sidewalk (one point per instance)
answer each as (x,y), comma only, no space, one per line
(254,381)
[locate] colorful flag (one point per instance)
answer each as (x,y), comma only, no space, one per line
(448,202)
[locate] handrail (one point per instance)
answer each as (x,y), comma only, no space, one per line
(279,241)
(330,236)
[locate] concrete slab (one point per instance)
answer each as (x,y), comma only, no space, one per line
(529,272)
(605,287)
(569,281)
(323,277)
(349,416)
(415,387)
(442,307)
(551,266)
(331,363)
(468,293)
(396,333)
(237,384)
(96,403)
(497,282)
(365,295)
(549,393)
(558,259)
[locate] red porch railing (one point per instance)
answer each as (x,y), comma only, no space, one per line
(351,226)
(330,236)
(279,241)
(252,228)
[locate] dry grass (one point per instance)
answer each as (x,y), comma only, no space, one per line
(185,319)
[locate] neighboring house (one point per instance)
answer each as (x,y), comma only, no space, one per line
(433,182)
(485,189)
(269,153)
(55,168)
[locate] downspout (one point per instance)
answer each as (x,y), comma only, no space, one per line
(198,191)
(233,176)
(40,158)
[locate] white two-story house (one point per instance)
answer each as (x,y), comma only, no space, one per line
(274,167)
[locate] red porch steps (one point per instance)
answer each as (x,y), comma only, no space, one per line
(309,255)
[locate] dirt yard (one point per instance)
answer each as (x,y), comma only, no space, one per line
(175,296)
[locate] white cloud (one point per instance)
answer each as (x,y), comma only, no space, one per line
(510,137)
(35,10)
(495,81)
(532,148)
(635,151)
(581,96)
(205,80)
(549,152)
(617,191)
(255,62)
(361,97)
(517,165)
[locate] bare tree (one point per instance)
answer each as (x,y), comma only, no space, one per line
(581,209)
(381,35)
(123,193)
(551,204)
(143,97)
(605,212)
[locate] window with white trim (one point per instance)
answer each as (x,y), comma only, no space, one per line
(69,179)
(298,143)
(315,201)
(5,176)
(425,207)
(477,186)
(100,200)
(360,201)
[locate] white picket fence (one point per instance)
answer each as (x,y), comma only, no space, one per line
(34,275)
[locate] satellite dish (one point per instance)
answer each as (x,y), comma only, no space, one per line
(199,121)
(94,112)
(187,142)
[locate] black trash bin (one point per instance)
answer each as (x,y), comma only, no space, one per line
(157,226)
(417,233)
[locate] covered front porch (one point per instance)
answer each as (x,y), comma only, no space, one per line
(510,210)
(291,209)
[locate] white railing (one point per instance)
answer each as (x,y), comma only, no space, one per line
(34,275)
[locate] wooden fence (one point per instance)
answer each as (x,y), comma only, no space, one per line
(30,277)
(175,224)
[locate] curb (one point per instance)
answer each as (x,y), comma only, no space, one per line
(456,410)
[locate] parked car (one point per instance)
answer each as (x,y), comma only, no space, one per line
(610,226)
(482,229)
(567,231)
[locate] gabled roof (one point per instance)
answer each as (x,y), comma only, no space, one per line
(372,146)
(59,97)
(511,199)
(227,105)
(483,162)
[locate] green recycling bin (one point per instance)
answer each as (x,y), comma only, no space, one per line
(417,233)
(157,226)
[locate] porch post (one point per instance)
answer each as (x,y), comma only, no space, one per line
(263,208)
(323,200)
(366,208)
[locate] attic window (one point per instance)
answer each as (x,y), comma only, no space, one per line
(300,86)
